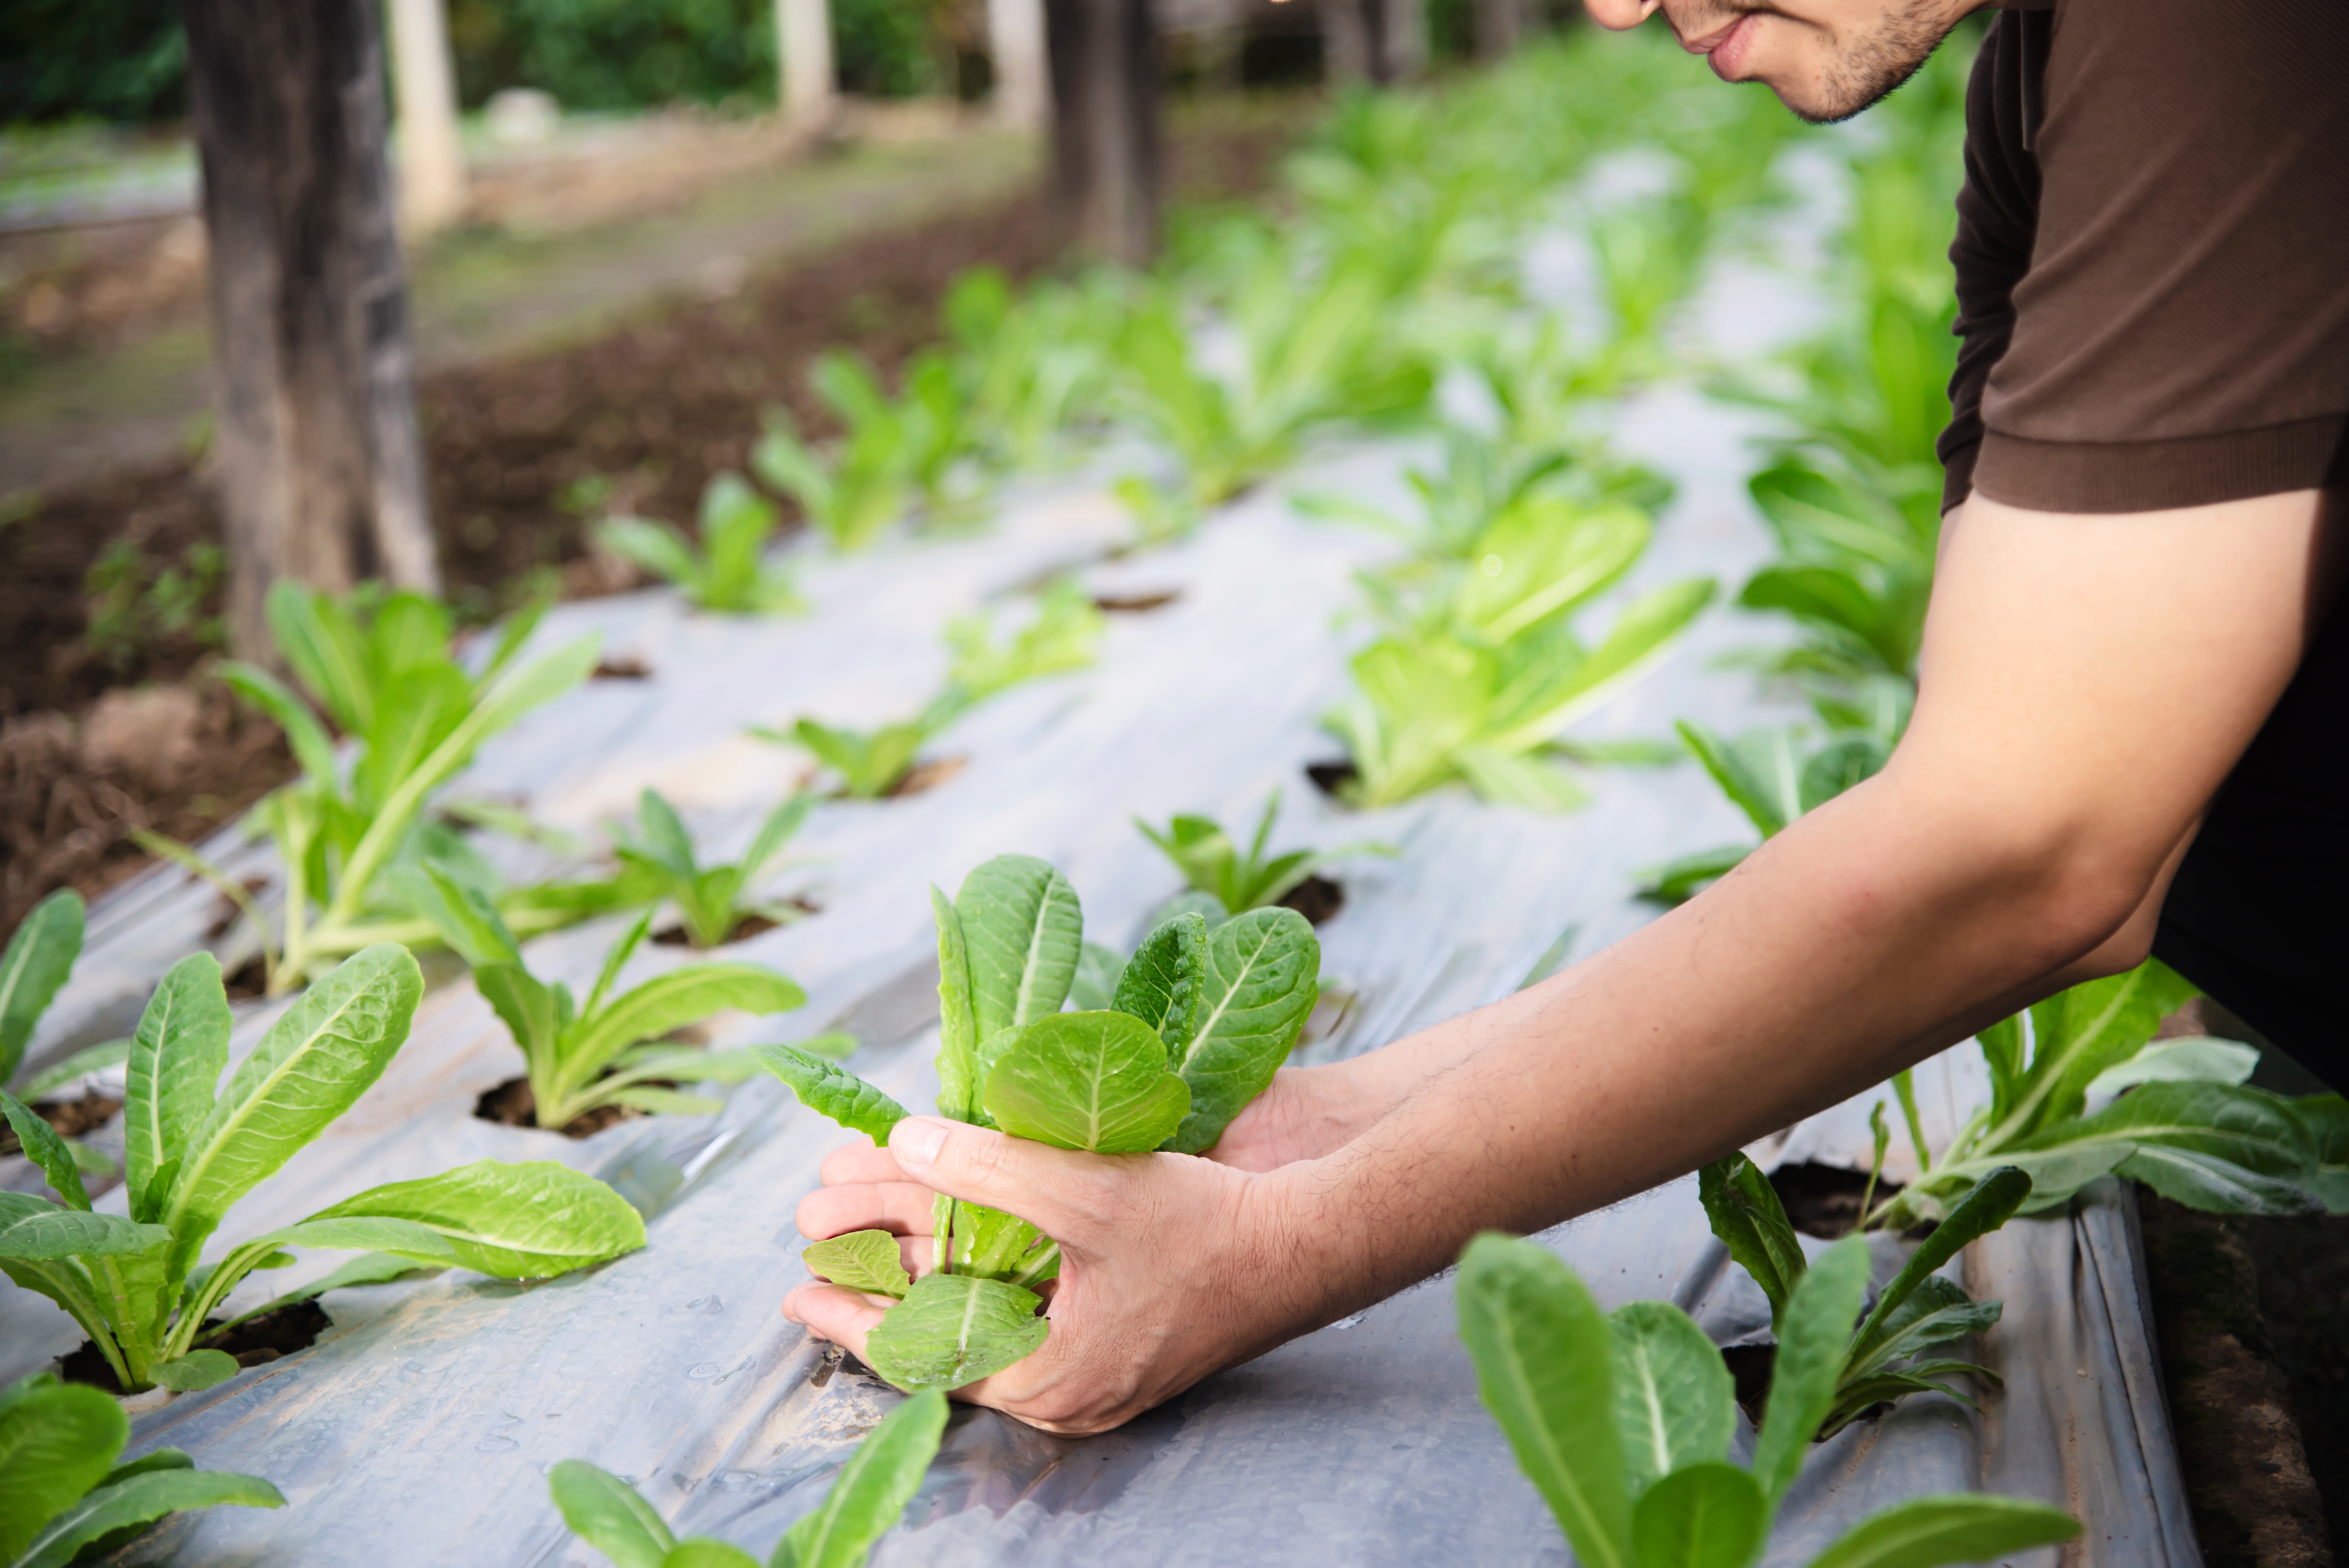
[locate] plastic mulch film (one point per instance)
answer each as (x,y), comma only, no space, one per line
(425,1417)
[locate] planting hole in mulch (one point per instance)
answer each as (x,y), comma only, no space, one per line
(248,982)
(1749,1369)
(1135,604)
(1318,899)
(1822,1200)
(748,927)
(255,1341)
(70,1117)
(513,1104)
(223,913)
(1331,777)
(924,775)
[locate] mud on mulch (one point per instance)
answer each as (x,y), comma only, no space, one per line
(521,454)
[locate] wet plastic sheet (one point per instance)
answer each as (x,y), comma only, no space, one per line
(426,1419)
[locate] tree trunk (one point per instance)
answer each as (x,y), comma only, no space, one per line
(1347,48)
(320,464)
(1379,41)
(1015,45)
(1402,54)
(431,160)
(811,90)
(1105,140)
(1499,25)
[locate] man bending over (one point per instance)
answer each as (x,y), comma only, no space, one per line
(2129,733)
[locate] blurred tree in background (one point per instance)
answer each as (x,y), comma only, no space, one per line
(615,54)
(104,59)
(126,60)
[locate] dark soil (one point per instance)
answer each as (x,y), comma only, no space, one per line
(70,1117)
(1135,604)
(1331,777)
(1822,1200)
(1750,1367)
(748,927)
(521,454)
(254,1342)
(1318,899)
(2249,1317)
(924,775)
(512,1104)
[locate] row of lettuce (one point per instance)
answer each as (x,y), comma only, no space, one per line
(1401,258)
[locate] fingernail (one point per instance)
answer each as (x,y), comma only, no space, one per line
(917,1140)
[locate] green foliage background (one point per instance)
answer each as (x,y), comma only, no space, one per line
(126,60)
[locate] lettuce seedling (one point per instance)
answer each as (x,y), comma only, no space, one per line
(1196,1022)
(39,959)
(727,572)
(1624,1421)
(866,1499)
(1773,776)
(865,482)
(64,1498)
(607,1050)
(1213,865)
(1476,681)
(1305,364)
(1063,634)
(712,901)
(1919,1311)
(418,717)
(1038,366)
(132,1281)
(2185,1123)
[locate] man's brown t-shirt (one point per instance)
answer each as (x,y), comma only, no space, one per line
(2153,256)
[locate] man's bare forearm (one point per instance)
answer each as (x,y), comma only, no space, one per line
(1990,865)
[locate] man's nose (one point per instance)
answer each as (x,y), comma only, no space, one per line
(1619,14)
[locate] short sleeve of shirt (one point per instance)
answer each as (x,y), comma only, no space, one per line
(2153,256)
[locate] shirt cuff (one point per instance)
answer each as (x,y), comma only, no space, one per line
(2155,476)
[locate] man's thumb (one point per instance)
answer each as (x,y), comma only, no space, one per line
(1058,1191)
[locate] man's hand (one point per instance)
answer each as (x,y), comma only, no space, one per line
(1160,1283)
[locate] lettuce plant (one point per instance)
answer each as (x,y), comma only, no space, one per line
(2184,1123)
(1624,1421)
(418,717)
(1774,776)
(1305,364)
(711,899)
(38,960)
(63,1496)
(607,1050)
(1476,681)
(920,441)
(1039,365)
(727,570)
(1063,634)
(1918,1312)
(1197,1020)
(867,1497)
(1238,880)
(133,1284)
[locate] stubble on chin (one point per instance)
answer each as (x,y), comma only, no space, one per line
(1863,71)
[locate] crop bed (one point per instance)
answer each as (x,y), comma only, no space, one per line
(429,1412)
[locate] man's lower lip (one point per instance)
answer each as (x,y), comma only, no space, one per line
(1728,54)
